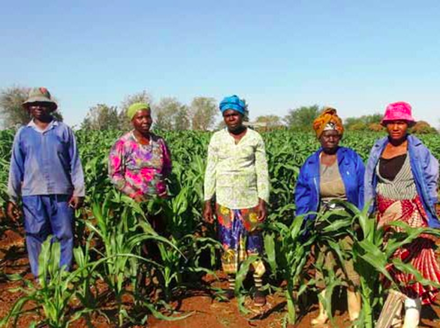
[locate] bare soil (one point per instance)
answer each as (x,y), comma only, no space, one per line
(203,310)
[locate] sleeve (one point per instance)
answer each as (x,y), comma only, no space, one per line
(210,175)
(262,172)
(303,193)
(360,172)
(16,169)
(117,168)
(77,175)
(167,160)
(430,168)
(368,178)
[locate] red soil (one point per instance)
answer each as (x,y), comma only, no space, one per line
(204,311)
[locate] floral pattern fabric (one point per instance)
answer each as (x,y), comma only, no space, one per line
(137,169)
(237,173)
(239,237)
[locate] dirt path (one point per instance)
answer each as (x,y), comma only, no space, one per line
(204,311)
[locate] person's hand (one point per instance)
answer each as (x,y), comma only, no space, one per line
(138,198)
(76,202)
(13,212)
(208,212)
(262,210)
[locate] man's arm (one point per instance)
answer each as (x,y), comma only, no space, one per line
(77,175)
(16,169)
(16,175)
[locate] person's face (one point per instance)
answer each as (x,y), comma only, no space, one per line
(397,130)
(232,119)
(142,121)
(329,140)
(39,111)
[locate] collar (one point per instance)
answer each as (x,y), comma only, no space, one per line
(340,153)
(412,140)
(51,124)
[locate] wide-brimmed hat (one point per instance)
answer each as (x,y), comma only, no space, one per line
(398,111)
(40,95)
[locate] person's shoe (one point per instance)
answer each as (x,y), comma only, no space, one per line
(354,304)
(259,298)
(322,317)
(412,313)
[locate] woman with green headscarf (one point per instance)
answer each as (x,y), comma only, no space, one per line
(140,161)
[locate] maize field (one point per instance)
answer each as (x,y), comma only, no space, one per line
(111,230)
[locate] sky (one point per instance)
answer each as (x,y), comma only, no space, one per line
(357,56)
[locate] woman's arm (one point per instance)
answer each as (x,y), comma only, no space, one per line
(430,167)
(117,169)
(360,173)
(303,192)
(262,172)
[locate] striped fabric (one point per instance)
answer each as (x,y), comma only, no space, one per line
(402,187)
(420,253)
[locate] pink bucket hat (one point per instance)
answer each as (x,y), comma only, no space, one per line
(398,111)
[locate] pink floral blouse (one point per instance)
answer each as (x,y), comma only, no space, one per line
(137,169)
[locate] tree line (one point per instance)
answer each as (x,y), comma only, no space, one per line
(170,114)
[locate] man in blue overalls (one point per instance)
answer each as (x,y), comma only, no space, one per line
(46,173)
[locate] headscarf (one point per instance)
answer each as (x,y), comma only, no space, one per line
(328,120)
(232,103)
(135,107)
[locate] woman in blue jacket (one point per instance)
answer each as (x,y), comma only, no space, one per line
(402,179)
(332,172)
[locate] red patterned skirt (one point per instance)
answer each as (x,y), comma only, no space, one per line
(420,253)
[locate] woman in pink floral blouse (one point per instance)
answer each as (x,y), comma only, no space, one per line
(140,161)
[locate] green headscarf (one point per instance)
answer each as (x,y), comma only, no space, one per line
(135,107)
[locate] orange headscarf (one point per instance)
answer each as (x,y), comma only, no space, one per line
(328,116)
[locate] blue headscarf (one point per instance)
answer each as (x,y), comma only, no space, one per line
(232,103)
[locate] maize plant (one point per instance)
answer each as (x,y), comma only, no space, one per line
(371,255)
(53,293)
(111,229)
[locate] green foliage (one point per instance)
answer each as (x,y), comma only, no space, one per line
(52,294)
(359,126)
(302,117)
(203,111)
(363,122)
(170,114)
(12,112)
(101,117)
(112,228)
(423,127)
(270,120)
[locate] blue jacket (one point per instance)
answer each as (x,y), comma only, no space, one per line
(425,170)
(45,162)
(352,170)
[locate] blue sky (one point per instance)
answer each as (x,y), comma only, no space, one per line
(357,56)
